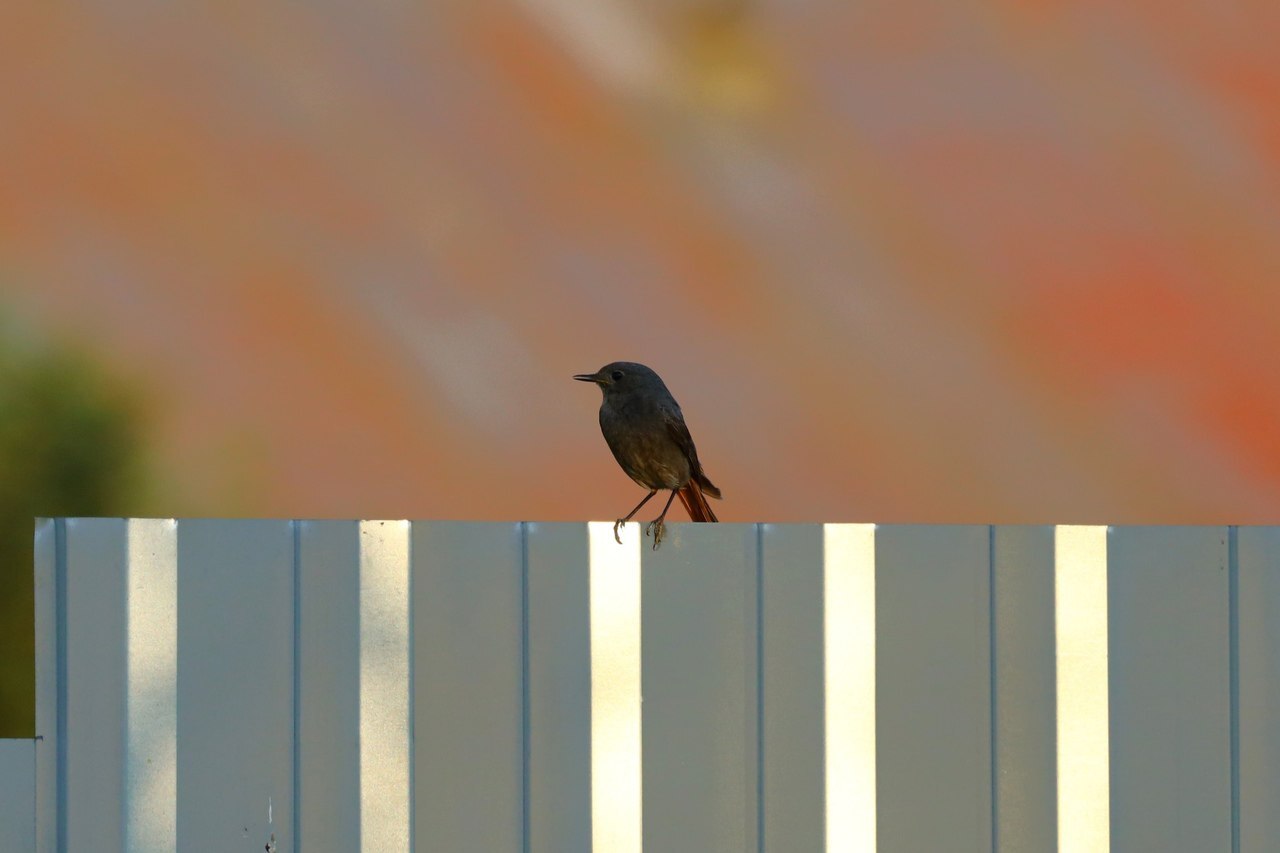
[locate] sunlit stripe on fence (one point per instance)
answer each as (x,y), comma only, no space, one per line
(615,689)
(849,620)
(385,741)
(151,749)
(1080,614)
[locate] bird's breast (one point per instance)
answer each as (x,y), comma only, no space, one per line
(642,444)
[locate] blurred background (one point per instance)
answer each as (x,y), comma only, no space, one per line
(971,262)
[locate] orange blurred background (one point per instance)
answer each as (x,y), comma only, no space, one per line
(971,262)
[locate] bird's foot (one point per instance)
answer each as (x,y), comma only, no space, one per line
(616,537)
(659,528)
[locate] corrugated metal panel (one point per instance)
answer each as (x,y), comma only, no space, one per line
(1081,709)
(1170,672)
(1024,671)
(468,686)
(49,548)
(699,671)
(385,728)
(849,629)
(95,663)
(791,700)
(17,794)
(460,686)
(235,683)
(558,688)
(933,688)
(616,761)
(1256,688)
(329,694)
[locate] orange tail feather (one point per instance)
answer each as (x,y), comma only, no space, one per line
(695,503)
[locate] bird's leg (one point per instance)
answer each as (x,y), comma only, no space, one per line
(622,521)
(658,526)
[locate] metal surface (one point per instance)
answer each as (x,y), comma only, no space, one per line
(50,798)
(386,712)
(1170,675)
(1256,689)
(559,569)
(1023,669)
(699,674)
(95,684)
(17,794)
(235,685)
(448,686)
(468,687)
(328,686)
(791,784)
(1083,689)
(848,618)
(933,689)
(151,701)
(616,761)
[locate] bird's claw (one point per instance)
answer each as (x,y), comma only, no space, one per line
(616,537)
(659,528)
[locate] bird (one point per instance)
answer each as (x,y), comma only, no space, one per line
(644,427)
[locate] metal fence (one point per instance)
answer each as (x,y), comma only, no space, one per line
(445,686)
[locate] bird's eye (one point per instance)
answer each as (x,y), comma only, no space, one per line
(617,374)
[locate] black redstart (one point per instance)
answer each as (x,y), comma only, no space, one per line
(644,427)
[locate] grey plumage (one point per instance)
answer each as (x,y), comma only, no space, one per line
(644,427)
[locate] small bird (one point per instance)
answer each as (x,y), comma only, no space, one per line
(644,427)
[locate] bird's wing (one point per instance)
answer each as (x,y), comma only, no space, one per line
(680,435)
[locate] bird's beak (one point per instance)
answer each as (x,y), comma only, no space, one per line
(587,377)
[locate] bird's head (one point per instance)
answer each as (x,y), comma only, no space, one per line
(622,377)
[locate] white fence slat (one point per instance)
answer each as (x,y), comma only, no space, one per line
(235,684)
(17,794)
(95,660)
(1023,626)
(468,696)
(1258,551)
(699,683)
(791,683)
(933,688)
(1170,689)
(329,686)
(559,689)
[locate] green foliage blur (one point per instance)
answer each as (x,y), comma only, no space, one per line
(71,444)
